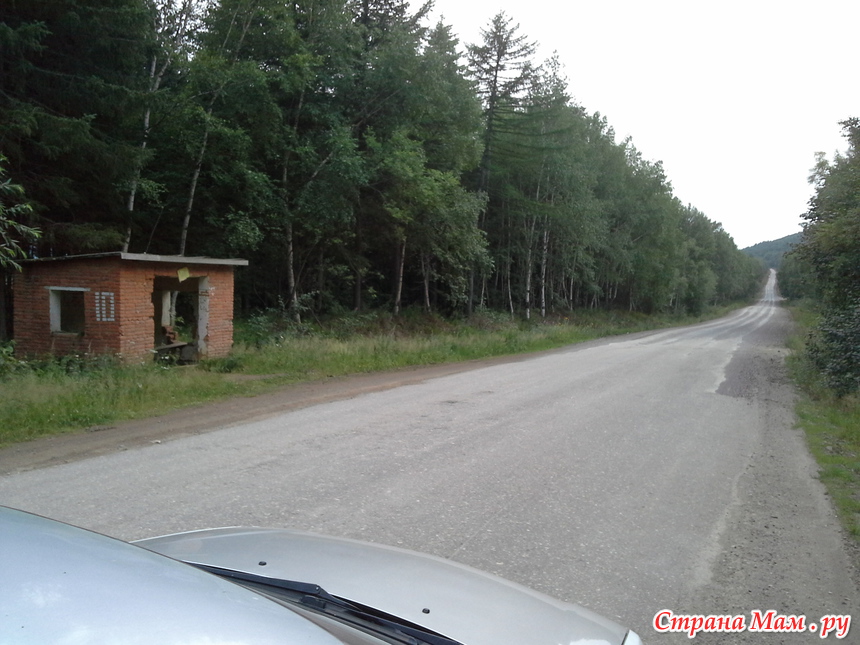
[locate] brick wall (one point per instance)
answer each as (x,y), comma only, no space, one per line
(32,307)
(137,321)
(137,331)
(119,312)
(220,339)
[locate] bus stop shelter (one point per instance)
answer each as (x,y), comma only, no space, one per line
(132,305)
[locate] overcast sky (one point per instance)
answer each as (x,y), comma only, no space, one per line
(734,97)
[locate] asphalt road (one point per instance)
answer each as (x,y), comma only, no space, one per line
(649,472)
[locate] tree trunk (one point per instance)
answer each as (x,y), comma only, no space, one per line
(398,278)
(202,152)
(288,225)
(129,205)
(192,189)
(291,275)
(156,75)
(470,301)
(543,263)
(5,305)
(482,299)
(530,231)
(357,268)
(320,278)
(425,273)
(528,289)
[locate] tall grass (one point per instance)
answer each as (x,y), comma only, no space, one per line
(365,343)
(313,357)
(35,402)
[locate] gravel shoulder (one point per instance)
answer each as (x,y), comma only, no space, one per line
(781,546)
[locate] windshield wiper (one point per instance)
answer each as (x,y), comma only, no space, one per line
(317,599)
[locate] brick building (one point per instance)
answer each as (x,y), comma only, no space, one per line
(120,303)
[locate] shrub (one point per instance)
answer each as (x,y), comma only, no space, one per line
(834,348)
(8,363)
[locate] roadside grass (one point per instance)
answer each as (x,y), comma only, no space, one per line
(832,427)
(80,393)
(328,351)
(357,344)
(36,403)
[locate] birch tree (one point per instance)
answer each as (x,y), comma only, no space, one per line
(173,21)
(227,27)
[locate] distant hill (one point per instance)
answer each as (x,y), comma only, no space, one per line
(771,252)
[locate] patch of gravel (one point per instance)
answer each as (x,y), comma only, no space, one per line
(782,547)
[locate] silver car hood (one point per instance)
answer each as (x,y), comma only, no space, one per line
(63,585)
(460,602)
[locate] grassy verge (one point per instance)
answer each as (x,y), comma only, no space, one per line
(381,343)
(77,393)
(832,427)
(40,402)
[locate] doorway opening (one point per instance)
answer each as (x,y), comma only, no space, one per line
(181,317)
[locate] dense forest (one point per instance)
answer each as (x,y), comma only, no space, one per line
(825,266)
(356,155)
(773,251)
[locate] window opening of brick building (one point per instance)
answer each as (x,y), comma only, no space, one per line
(68,310)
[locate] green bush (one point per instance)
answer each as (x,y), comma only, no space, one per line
(834,348)
(8,363)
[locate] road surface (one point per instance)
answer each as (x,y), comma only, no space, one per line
(635,474)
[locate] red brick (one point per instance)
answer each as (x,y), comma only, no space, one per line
(132,334)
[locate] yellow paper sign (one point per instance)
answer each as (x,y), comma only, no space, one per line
(183,274)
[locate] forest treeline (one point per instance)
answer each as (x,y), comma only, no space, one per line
(825,266)
(772,252)
(355,154)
